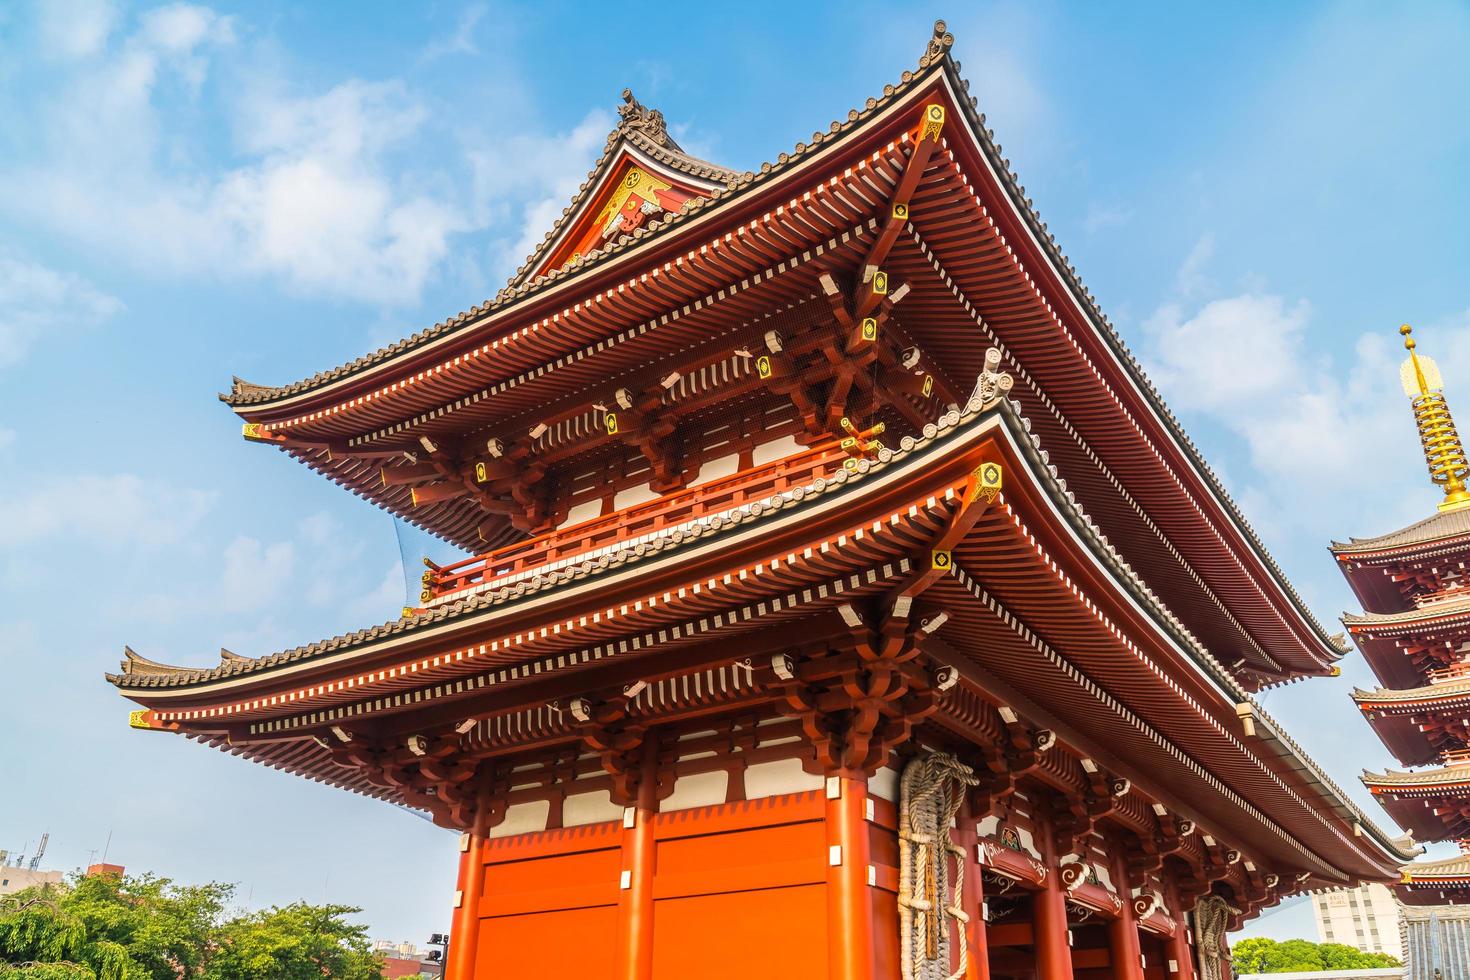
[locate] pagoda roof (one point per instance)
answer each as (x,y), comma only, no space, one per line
(1373,566)
(1254,782)
(1382,636)
(1431,613)
(1428,802)
(1410,698)
(1435,882)
(1395,715)
(408,387)
(1436,778)
(1443,528)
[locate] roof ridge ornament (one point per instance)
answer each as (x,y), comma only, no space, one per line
(636,117)
(939,45)
(1444,453)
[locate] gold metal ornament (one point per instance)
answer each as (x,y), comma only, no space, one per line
(1444,453)
(933,122)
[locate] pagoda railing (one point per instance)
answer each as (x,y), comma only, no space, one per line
(1454,672)
(505,565)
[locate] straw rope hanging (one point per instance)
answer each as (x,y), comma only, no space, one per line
(929,797)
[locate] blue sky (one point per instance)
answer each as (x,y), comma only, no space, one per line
(1258,195)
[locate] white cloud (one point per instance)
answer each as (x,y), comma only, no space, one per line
(544,171)
(37,301)
(75,28)
(1229,351)
(1312,426)
(462,40)
(253,574)
(120,509)
(1100,216)
(312,193)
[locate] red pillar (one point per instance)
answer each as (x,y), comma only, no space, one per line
(464,933)
(1124,951)
(635,909)
(1181,953)
(849,899)
(1049,913)
(973,902)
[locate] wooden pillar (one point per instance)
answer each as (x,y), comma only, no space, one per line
(849,898)
(1181,952)
(1124,950)
(464,932)
(974,894)
(1049,911)
(635,906)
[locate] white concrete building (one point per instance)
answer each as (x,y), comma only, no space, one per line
(14,879)
(1366,918)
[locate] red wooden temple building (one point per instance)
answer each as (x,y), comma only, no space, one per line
(1415,634)
(843,600)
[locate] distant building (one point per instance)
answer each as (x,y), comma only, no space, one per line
(1366,918)
(13,880)
(406,960)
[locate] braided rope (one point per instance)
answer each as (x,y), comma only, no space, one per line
(929,797)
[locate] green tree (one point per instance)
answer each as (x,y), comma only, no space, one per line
(297,942)
(148,928)
(1270,956)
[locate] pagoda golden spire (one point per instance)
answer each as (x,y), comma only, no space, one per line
(1444,454)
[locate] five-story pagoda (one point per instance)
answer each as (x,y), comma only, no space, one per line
(1414,585)
(844,602)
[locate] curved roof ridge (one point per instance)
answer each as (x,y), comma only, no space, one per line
(246,394)
(1434,528)
(937,57)
(645,130)
(1443,607)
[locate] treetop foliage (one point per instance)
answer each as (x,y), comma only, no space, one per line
(144,927)
(1300,955)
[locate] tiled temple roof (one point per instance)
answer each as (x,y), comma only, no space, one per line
(948,426)
(1444,775)
(1449,689)
(936,59)
(1442,525)
(1457,865)
(1450,607)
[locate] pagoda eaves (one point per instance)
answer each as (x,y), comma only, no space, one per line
(761,241)
(833,558)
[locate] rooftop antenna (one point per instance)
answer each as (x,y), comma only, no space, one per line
(40,852)
(1444,454)
(107,847)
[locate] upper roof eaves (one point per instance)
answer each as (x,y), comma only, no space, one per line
(936,59)
(1441,526)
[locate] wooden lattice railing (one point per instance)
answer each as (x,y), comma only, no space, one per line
(714,497)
